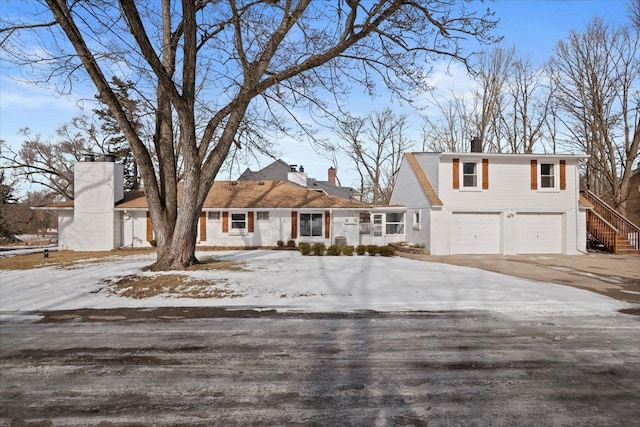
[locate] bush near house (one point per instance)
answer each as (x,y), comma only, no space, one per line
(387,251)
(361,249)
(280,243)
(334,250)
(347,250)
(372,249)
(291,243)
(318,249)
(304,248)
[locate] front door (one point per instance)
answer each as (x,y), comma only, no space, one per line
(371,229)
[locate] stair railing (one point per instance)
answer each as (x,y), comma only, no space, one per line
(608,217)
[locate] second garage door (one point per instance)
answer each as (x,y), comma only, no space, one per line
(475,233)
(539,233)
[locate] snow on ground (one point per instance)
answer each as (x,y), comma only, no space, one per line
(286,280)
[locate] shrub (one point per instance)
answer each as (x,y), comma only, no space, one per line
(304,248)
(153,242)
(372,249)
(387,251)
(334,250)
(318,249)
(291,243)
(361,249)
(280,243)
(419,245)
(347,250)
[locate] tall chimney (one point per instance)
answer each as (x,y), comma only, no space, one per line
(332,175)
(476,145)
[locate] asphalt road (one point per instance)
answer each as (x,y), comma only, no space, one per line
(210,367)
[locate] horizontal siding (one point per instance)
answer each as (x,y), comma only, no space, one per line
(429,163)
(407,191)
(509,188)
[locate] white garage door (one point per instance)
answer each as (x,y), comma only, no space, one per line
(539,233)
(475,233)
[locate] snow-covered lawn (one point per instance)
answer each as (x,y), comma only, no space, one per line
(286,280)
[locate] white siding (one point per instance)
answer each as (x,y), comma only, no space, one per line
(407,191)
(429,163)
(509,188)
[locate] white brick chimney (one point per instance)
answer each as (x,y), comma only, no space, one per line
(97,187)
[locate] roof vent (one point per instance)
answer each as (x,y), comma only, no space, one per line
(89,157)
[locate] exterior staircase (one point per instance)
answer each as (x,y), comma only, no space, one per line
(614,231)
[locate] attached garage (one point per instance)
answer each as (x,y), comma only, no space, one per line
(538,233)
(475,233)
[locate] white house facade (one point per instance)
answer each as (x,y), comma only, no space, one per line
(481,203)
(236,214)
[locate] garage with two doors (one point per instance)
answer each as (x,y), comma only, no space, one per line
(482,233)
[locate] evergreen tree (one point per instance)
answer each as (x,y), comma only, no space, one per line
(115,140)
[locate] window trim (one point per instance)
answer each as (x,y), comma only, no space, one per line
(478,176)
(556,176)
(238,231)
(416,220)
(402,222)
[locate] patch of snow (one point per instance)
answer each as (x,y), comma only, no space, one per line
(286,280)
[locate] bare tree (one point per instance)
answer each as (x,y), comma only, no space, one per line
(236,64)
(634,11)
(598,75)
(494,72)
(48,161)
(375,144)
(526,110)
(452,126)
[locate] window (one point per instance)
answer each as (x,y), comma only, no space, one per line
(238,221)
(547,176)
(395,223)
(262,216)
(416,220)
(311,224)
(213,216)
(470,174)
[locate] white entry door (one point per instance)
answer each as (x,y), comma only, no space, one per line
(475,233)
(538,233)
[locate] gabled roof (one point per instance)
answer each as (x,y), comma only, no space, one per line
(423,180)
(256,195)
(276,171)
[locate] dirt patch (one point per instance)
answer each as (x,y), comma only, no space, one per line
(172,286)
(211,263)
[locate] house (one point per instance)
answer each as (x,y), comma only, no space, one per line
(481,203)
(243,213)
(281,171)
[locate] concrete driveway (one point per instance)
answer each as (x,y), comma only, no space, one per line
(617,276)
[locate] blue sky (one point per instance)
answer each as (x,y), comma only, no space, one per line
(533,26)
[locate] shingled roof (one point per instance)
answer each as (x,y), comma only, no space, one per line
(256,195)
(423,180)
